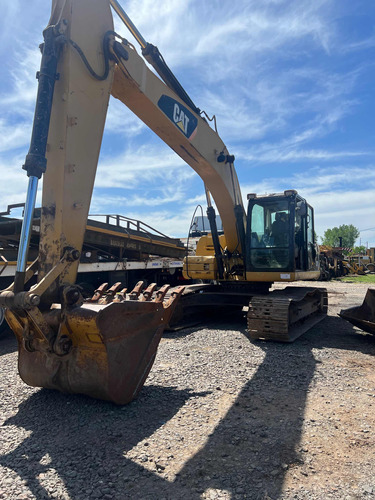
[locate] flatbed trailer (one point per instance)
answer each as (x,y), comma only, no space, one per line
(115,249)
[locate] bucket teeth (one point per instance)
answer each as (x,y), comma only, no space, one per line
(176,293)
(99,292)
(108,297)
(160,294)
(115,294)
(136,292)
(147,294)
(120,296)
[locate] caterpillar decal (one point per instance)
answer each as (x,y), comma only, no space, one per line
(184,119)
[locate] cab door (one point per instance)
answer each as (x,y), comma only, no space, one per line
(305,252)
(311,250)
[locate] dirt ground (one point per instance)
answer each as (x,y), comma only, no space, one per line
(337,445)
(220,416)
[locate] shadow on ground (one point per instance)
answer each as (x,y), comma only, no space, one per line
(265,423)
(8,342)
(247,455)
(86,440)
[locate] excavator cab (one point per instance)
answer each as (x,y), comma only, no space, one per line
(281,242)
(282,248)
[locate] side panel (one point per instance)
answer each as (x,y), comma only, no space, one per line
(77,122)
(282,276)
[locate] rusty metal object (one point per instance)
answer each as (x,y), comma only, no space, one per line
(147,294)
(120,296)
(362,316)
(102,350)
(99,292)
(284,315)
(135,293)
(108,297)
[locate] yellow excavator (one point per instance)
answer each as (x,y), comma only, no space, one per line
(105,346)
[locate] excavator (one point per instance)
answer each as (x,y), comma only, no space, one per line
(104,347)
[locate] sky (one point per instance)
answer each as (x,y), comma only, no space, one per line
(291,83)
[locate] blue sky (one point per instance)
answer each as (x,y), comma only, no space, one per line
(291,84)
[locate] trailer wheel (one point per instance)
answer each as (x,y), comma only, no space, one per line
(3,324)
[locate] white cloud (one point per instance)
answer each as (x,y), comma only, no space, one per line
(120,120)
(20,98)
(254,27)
(15,180)
(359,45)
(13,136)
(142,166)
(17,102)
(9,11)
(272,154)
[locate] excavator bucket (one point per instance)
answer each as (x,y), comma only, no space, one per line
(105,348)
(362,316)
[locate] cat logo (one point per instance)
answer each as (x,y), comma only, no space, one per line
(180,119)
(181,116)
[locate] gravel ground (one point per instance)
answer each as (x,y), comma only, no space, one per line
(219,417)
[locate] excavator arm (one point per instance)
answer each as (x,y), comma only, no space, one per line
(106,347)
(165,107)
(185,131)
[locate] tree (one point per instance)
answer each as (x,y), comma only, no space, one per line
(348,233)
(359,250)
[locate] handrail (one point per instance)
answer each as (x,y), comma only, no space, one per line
(139,225)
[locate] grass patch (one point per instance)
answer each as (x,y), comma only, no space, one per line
(368,278)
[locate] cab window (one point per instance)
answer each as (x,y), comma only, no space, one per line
(269,235)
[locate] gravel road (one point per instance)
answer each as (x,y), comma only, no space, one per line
(220,417)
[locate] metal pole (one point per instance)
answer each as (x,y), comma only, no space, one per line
(128,22)
(27,224)
(25,234)
(208,196)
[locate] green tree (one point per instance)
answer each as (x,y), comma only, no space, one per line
(348,233)
(359,250)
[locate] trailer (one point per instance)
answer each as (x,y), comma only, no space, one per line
(115,249)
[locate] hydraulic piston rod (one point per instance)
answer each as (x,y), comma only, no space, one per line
(35,163)
(128,23)
(154,57)
(25,233)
